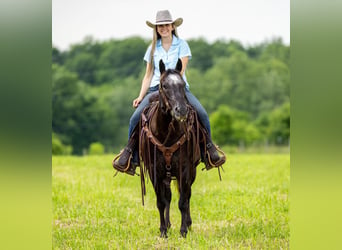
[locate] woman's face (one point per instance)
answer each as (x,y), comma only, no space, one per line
(165,30)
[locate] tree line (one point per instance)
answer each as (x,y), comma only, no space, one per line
(245,90)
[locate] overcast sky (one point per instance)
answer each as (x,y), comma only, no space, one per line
(248,21)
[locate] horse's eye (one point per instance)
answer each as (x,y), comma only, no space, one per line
(164,86)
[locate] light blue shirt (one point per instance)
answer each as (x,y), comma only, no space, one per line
(178,49)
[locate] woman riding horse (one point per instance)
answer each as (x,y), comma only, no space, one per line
(166,46)
(169,146)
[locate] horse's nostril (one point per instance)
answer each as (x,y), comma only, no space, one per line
(180,110)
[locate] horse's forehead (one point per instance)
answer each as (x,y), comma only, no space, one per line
(174,79)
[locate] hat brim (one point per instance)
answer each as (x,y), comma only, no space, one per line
(176,22)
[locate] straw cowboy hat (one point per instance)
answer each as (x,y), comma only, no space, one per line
(164,17)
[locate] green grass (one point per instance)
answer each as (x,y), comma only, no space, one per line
(248,209)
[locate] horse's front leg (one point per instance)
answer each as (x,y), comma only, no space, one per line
(168,196)
(183,205)
(188,218)
(160,192)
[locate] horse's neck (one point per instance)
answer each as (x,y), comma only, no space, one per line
(162,125)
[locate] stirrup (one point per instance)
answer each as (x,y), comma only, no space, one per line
(120,168)
(209,164)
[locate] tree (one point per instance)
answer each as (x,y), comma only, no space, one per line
(254,52)
(216,86)
(94,83)
(58,148)
(57,56)
(73,110)
(201,54)
(84,64)
(96,148)
(279,129)
(82,59)
(231,127)
(121,59)
(276,50)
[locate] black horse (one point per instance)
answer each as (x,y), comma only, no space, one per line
(169,146)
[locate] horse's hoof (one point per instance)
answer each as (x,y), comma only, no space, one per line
(163,235)
(184,234)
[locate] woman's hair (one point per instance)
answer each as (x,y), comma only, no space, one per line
(155,37)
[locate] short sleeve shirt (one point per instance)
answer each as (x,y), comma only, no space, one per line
(178,49)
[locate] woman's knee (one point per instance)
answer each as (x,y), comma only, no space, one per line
(134,118)
(201,112)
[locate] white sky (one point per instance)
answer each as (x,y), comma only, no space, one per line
(248,21)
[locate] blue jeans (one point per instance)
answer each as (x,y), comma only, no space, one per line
(201,113)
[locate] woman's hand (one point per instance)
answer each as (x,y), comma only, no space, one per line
(136,102)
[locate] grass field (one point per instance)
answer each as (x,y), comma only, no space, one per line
(248,209)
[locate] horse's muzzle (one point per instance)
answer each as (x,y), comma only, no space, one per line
(180,112)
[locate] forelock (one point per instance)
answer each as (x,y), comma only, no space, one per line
(174,78)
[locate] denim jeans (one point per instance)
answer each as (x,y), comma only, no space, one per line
(202,114)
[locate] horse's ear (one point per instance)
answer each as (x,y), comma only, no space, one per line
(179,65)
(161,67)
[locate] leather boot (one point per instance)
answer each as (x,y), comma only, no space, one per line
(124,161)
(212,158)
